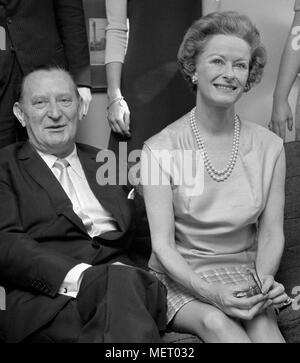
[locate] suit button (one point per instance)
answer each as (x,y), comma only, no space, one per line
(95,244)
(9,20)
(12,49)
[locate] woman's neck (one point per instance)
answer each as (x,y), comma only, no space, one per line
(214,120)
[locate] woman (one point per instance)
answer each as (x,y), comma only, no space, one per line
(145,89)
(282,114)
(221,239)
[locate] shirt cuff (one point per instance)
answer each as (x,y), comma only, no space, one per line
(71,284)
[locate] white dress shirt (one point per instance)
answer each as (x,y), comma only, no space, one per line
(95,218)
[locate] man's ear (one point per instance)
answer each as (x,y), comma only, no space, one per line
(19,113)
(80,108)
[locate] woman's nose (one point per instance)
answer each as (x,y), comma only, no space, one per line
(228,72)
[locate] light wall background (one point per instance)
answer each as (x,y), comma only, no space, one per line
(94,129)
(273,18)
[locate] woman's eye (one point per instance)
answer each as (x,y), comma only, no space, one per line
(241,65)
(218,61)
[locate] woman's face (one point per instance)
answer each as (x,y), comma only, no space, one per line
(222,70)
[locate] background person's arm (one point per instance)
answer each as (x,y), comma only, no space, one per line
(72,29)
(209,6)
(71,26)
(116,42)
(288,70)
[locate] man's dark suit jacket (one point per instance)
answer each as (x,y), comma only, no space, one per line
(41,238)
(45,32)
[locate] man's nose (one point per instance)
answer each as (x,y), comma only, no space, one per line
(54,111)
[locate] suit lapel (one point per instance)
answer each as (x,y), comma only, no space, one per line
(39,171)
(111,197)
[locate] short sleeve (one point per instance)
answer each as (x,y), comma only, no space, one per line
(155,167)
(182,170)
(116,30)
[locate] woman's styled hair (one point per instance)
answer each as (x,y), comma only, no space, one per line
(227,23)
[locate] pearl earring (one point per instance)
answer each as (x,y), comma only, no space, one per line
(194,79)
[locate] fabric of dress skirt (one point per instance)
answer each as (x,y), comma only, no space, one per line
(152,83)
(178,295)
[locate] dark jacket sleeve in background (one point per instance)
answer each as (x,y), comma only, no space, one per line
(72,29)
(49,32)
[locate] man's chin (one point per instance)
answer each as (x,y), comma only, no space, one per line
(61,150)
(57,146)
(56,142)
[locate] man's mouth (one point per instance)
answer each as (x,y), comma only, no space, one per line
(55,127)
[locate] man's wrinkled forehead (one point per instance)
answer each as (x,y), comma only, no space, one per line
(46,81)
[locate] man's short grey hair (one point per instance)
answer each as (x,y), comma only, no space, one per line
(46,68)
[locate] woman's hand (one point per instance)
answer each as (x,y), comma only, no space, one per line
(226,298)
(119,118)
(274,291)
(281,114)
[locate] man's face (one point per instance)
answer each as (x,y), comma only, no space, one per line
(50,110)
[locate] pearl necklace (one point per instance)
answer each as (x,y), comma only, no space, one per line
(217,175)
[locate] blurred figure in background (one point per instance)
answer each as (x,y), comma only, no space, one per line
(282,113)
(145,89)
(35,33)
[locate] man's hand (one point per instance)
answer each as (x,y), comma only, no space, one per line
(281,115)
(85,94)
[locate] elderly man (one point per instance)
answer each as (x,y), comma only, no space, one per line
(63,237)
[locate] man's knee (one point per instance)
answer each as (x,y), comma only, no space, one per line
(136,277)
(120,280)
(132,273)
(144,287)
